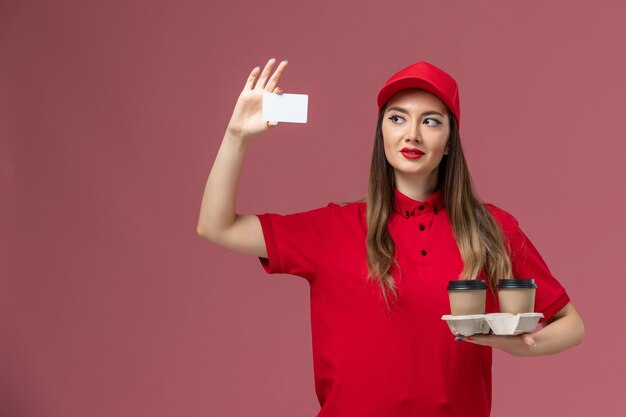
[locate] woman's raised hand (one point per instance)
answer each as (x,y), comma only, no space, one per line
(246,119)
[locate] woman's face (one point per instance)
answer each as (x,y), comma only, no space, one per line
(415,118)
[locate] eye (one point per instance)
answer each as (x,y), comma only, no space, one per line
(395,115)
(435,120)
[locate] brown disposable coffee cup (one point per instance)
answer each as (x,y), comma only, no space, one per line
(467,296)
(516,296)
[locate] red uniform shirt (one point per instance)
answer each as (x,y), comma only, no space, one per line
(369,361)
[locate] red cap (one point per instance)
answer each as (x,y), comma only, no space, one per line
(428,77)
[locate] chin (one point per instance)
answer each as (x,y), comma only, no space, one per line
(410,172)
(414,170)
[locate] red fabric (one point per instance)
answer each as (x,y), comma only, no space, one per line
(426,76)
(369,361)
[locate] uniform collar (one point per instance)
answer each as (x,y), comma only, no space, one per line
(406,206)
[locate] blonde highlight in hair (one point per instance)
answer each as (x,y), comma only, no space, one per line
(478,236)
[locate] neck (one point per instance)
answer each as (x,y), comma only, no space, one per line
(418,188)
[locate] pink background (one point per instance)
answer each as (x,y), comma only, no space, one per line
(111,114)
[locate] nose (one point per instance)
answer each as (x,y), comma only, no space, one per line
(413,132)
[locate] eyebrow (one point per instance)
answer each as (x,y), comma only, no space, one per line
(426,113)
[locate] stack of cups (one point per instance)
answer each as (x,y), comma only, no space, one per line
(516,296)
(468,301)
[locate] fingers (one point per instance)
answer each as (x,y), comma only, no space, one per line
(528,339)
(271,123)
(251,78)
(262,83)
(276,76)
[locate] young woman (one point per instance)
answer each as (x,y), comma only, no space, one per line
(378,269)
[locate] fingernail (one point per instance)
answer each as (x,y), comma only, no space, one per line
(458,339)
(285,61)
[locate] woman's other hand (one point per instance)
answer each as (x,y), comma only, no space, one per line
(246,119)
(563,331)
(516,345)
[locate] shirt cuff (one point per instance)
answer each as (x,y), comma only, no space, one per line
(271,264)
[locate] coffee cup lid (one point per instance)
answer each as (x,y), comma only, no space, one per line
(466,284)
(516,283)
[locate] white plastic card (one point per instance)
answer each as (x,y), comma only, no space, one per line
(285,107)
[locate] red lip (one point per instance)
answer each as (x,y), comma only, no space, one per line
(412,151)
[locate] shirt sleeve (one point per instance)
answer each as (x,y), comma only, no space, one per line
(527,262)
(296,242)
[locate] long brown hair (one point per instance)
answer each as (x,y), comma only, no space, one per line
(478,236)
